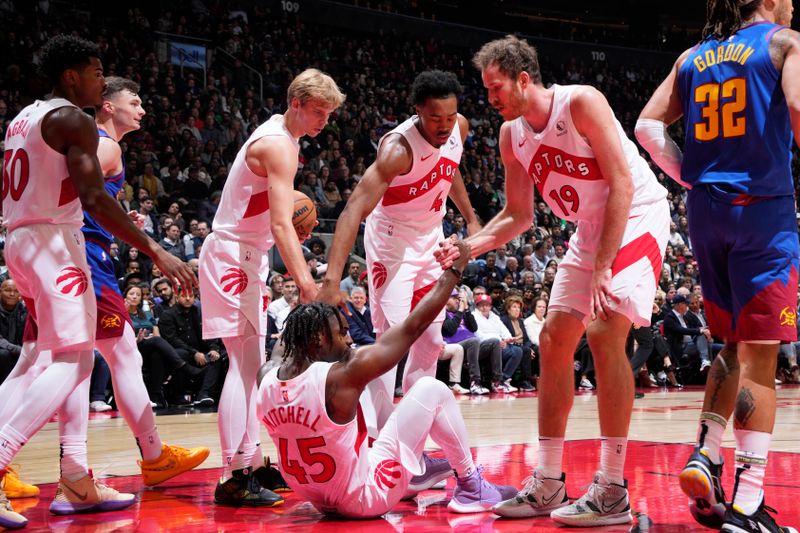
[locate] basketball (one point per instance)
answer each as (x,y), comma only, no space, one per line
(304,217)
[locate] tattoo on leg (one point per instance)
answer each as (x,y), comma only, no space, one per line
(745,407)
(725,364)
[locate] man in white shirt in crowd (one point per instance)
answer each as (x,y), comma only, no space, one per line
(490,327)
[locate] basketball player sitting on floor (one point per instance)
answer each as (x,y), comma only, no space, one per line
(310,407)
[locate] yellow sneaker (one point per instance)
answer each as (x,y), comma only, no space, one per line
(88,495)
(14,487)
(174,460)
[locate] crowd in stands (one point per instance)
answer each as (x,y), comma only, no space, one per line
(177,163)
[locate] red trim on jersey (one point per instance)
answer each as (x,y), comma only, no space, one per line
(362,429)
(68,192)
(259,203)
(401,194)
(420,293)
(642,246)
(31,330)
(548,159)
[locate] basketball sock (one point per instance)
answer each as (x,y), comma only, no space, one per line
(551,456)
(237,402)
(74,461)
(430,409)
(133,402)
(709,435)
(257,458)
(612,458)
(149,443)
(752,448)
(73,427)
(10,443)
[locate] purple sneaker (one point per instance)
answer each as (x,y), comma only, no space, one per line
(474,494)
(436,471)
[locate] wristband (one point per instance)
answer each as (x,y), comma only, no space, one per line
(456,272)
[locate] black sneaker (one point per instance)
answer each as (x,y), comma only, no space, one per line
(242,489)
(758,522)
(526,386)
(700,481)
(270,478)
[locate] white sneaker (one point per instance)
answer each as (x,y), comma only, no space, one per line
(704,365)
(477,389)
(99,406)
(539,497)
(604,504)
(458,389)
(586,384)
(509,387)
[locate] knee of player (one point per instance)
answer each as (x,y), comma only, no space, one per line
(428,386)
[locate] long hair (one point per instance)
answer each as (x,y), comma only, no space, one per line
(725,17)
(304,328)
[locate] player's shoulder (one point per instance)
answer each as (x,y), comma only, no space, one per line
(586,100)
(395,148)
(783,41)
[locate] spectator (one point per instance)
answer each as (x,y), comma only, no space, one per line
(182,328)
(353,270)
(490,273)
(207,209)
(98,385)
(685,338)
(288,291)
(172,242)
(455,354)
(459,327)
(360,321)
(491,328)
(512,320)
(13,314)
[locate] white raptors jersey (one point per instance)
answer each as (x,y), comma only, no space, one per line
(319,458)
(37,188)
(418,198)
(564,169)
(243,213)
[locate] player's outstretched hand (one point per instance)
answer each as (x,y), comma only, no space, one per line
(602,295)
(463,255)
(447,252)
(308,294)
(176,270)
(331,294)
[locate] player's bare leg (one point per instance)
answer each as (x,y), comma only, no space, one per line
(544,490)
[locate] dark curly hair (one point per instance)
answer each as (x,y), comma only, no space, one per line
(725,17)
(63,52)
(434,84)
(303,329)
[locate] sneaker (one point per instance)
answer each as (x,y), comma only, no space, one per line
(437,470)
(604,504)
(477,389)
(473,494)
(14,487)
(203,402)
(8,518)
(500,386)
(759,522)
(509,387)
(700,480)
(539,496)
(586,384)
(87,495)
(458,389)
(99,406)
(270,478)
(705,366)
(243,489)
(526,386)
(173,461)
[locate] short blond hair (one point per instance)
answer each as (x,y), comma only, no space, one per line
(313,84)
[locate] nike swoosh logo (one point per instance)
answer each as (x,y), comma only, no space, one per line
(81,497)
(523,142)
(548,501)
(426,157)
(608,508)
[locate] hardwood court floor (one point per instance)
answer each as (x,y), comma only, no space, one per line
(502,431)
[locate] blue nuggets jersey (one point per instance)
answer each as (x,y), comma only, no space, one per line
(91,228)
(736,118)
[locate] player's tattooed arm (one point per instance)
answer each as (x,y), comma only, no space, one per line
(789,42)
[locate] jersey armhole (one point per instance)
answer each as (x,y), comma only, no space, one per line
(768,39)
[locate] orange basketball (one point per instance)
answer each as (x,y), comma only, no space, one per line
(304,217)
